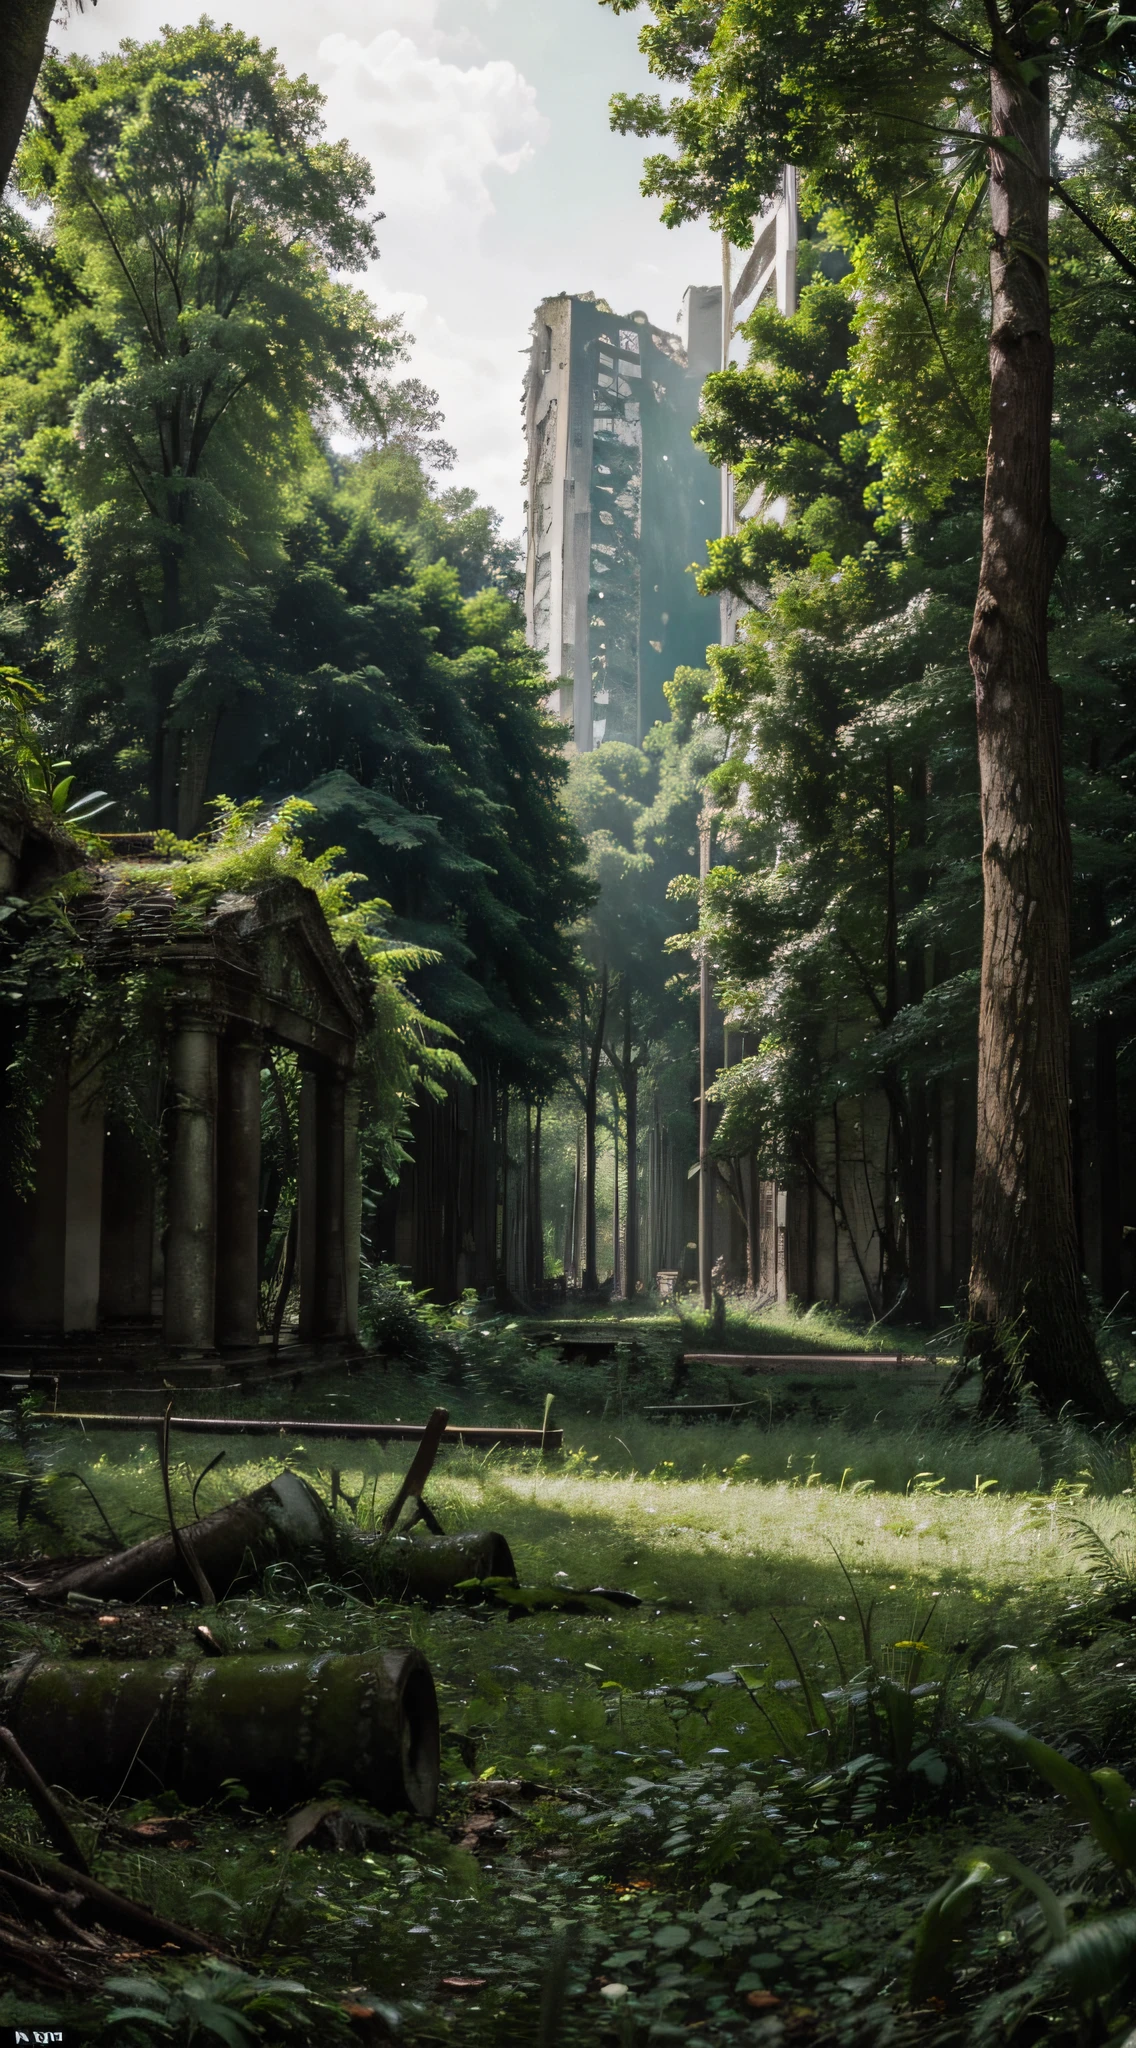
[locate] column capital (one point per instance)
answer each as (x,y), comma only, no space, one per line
(191,1012)
(245,1037)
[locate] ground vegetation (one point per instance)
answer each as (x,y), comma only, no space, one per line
(745,1807)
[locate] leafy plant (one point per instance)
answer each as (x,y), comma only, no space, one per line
(1090,1962)
(228,2004)
(31,766)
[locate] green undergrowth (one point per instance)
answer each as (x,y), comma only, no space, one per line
(750,1784)
(718,1815)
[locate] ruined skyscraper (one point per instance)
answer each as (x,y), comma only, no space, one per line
(620,503)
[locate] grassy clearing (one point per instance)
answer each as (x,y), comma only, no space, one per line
(720,1865)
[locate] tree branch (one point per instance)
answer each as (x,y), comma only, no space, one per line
(956,388)
(1082,214)
(847,947)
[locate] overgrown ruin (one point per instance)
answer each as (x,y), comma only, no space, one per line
(141,1232)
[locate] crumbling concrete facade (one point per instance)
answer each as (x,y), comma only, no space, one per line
(620,503)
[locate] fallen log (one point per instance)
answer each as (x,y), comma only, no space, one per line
(283,1522)
(282,1727)
(474,1436)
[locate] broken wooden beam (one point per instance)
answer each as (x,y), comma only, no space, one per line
(421,1466)
(475,1437)
(51,1815)
(750,1362)
(692,1408)
(111,1909)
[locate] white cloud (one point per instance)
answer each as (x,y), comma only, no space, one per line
(492,197)
(435,130)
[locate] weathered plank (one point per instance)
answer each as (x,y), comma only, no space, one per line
(750,1362)
(728,1408)
(476,1437)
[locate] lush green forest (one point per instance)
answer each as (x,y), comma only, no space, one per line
(211,602)
(735,1142)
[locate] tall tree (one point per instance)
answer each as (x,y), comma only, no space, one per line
(637,809)
(23,39)
(201,218)
(870,102)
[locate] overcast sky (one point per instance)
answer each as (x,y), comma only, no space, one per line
(486,123)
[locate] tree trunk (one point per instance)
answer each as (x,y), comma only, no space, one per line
(195,758)
(22,45)
(631,1149)
(536,1221)
(1107,1106)
(705,1161)
(752,1199)
(591,1278)
(912,1129)
(1028,1309)
(572,1228)
(616,1247)
(502,1232)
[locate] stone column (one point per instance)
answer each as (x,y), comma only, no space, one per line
(86,1131)
(352,1208)
(191,1234)
(331,1266)
(307,1204)
(238,1191)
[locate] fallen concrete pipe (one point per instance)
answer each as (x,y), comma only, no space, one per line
(283,1726)
(429,1568)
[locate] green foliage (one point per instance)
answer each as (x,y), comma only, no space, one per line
(1092,1961)
(948,1911)
(843,913)
(27,773)
(640,1796)
(398,1321)
(636,810)
(163,414)
(863,100)
(59,997)
(222,2003)
(842,919)
(210,600)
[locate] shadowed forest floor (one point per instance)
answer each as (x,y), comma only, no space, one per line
(717,1816)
